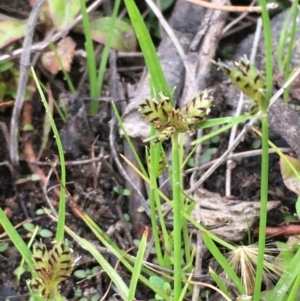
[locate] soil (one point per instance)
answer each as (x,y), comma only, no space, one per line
(92,185)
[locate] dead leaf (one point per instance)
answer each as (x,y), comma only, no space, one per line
(66,50)
(228,219)
(290,179)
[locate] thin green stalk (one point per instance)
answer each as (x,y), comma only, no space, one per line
(104,58)
(58,296)
(154,200)
(287,71)
(268,53)
(128,140)
(177,200)
(65,73)
(16,239)
(90,52)
(137,267)
(294,290)
(164,241)
(185,230)
(158,78)
(219,282)
(186,241)
(223,262)
(263,207)
(62,112)
(62,200)
(265,153)
(124,258)
(282,287)
(282,42)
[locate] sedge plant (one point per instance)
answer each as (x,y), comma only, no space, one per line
(261,92)
(286,43)
(169,123)
(253,83)
(48,268)
(96,77)
(257,87)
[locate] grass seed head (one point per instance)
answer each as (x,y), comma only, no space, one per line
(244,260)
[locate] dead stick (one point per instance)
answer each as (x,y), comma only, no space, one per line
(24,67)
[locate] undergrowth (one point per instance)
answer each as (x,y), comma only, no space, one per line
(245,266)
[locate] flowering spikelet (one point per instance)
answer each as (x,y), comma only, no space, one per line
(198,108)
(51,268)
(169,120)
(247,78)
(157,111)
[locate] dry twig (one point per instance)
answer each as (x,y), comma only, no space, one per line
(231,8)
(24,67)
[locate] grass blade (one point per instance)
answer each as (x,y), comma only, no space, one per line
(62,200)
(137,266)
(16,238)
(158,79)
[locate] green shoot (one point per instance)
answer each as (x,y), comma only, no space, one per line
(62,202)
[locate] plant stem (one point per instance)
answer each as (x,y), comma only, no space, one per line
(265,155)
(62,198)
(177,198)
(104,58)
(287,67)
(154,201)
(91,57)
(263,206)
(269,53)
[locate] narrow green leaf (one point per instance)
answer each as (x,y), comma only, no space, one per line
(282,287)
(137,266)
(105,55)
(110,270)
(124,258)
(219,282)
(62,200)
(157,76)
(16,238)
(223,262)
(91,58)
(211,122)
(298,206)
(220,130)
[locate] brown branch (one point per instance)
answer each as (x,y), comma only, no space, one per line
(283,230)
(24,67)
(228,8)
